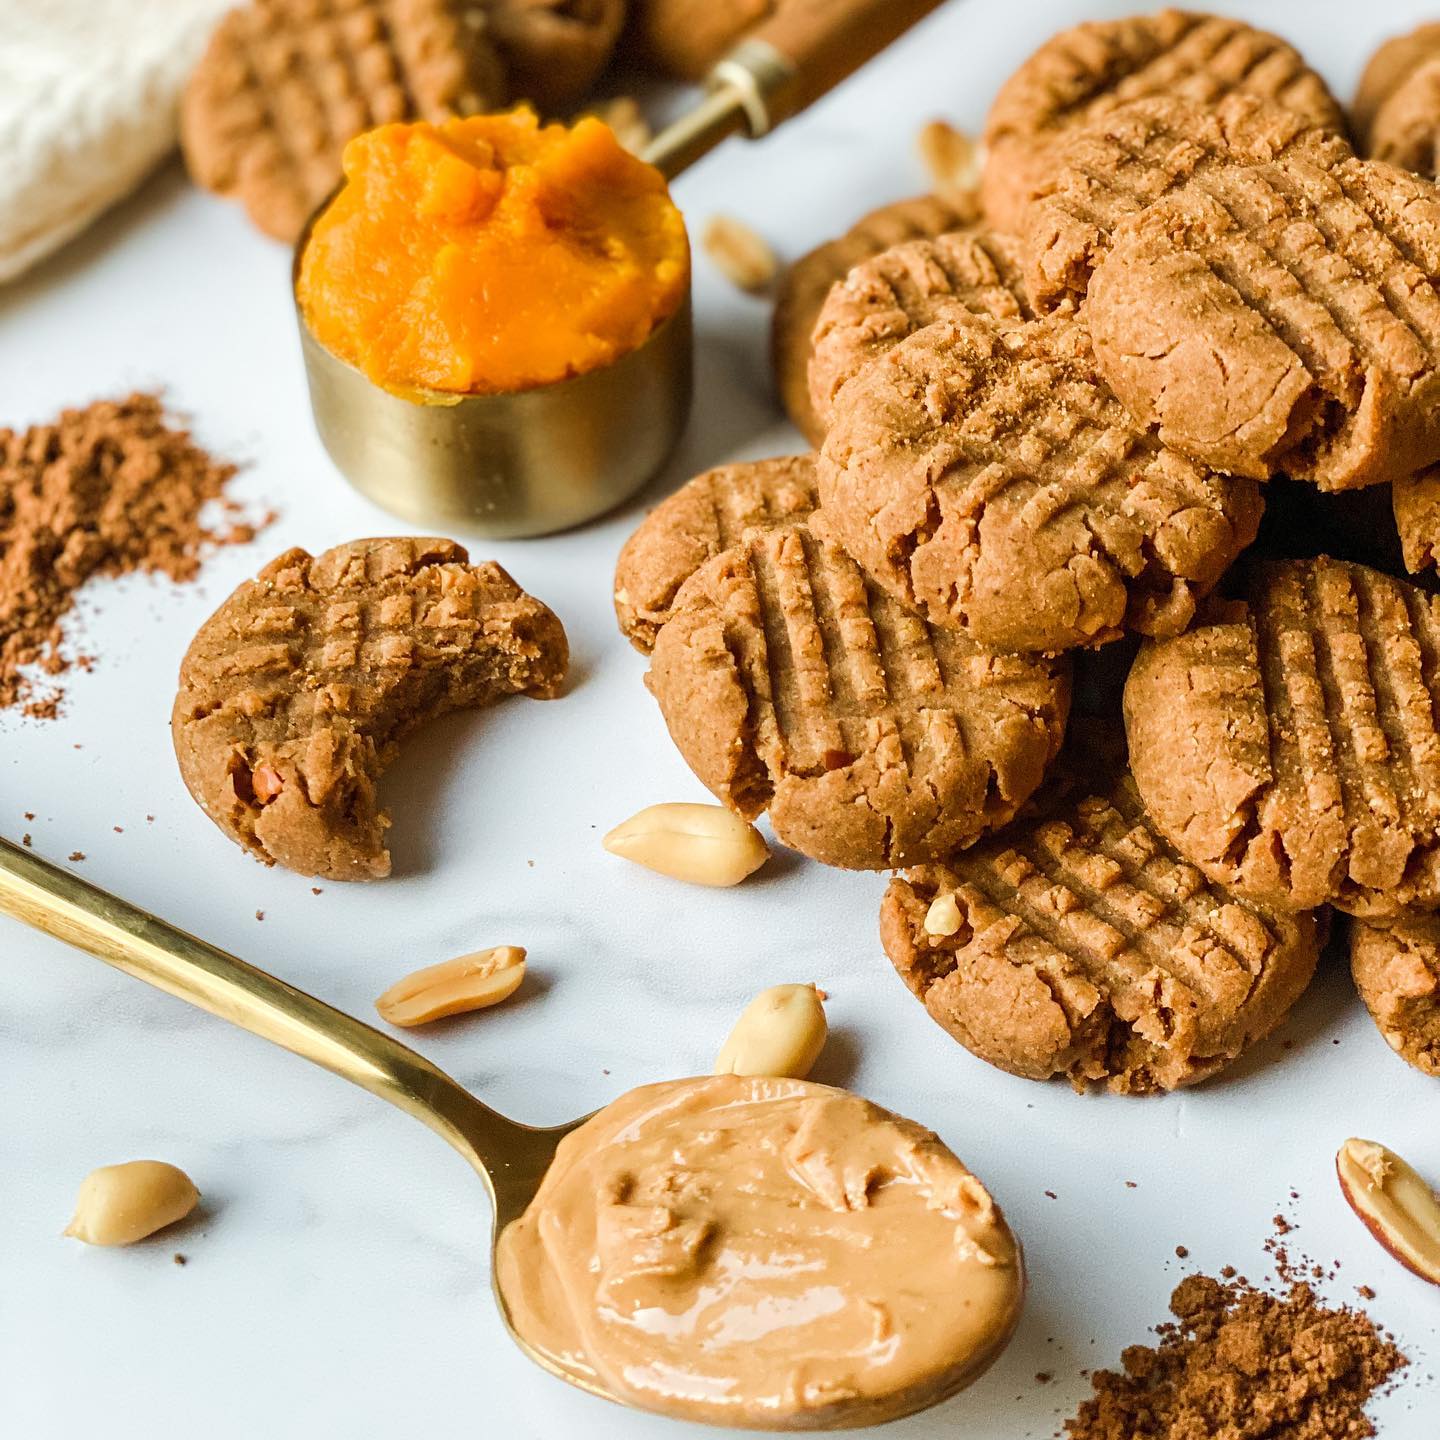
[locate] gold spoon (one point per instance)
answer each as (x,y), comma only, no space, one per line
(510,1158)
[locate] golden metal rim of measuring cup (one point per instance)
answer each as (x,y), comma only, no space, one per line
(519,463)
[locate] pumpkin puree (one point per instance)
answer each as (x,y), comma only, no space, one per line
(491,254)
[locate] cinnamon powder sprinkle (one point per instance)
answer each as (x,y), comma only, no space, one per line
(1238,1363)
(106,490)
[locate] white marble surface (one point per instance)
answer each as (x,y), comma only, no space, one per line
(337,1279)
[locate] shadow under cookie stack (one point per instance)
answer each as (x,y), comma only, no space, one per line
(1047,428)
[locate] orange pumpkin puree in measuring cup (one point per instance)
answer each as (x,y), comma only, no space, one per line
(491,255)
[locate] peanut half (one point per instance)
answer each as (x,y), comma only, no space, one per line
(1399,1209)
(741,255)
(781,1032)
(469,982)
(953,160)
(120,1204)
(943,916)
(701,844)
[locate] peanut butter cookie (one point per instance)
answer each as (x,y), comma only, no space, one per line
(900,291)
(1078,944)
(709,514)
(1287,744)
(295,694)
(554,50)
(1396,965)
(790,684)
(1080,73)
(1415,501)
(982,474)
(285,83)
(685,38)
(805,284)
(1282,316)
(1128,157)
(1396,111)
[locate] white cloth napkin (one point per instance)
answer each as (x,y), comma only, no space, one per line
(89,93)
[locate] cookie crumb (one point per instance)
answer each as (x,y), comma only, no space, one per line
(118,829)
(316,890)
(1365,1292)
(76,856)
(1051,1195)
(259,914)
(1131,1185)
(25,841)
(1182,1252)
(30,815)
(1043,1377)
(180,1259)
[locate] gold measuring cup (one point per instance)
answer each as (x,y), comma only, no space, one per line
(539,460)
(509,1157)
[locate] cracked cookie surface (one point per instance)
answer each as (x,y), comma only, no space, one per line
(706,515)
(791,685)
(1078,944)
(984,475)
(903,289)
(295,694)
(1396,965)
(1281,316)
(1287,744)
(805,284)
(1082,72)
(285,83)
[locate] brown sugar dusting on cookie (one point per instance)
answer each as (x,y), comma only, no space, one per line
(1080,73)
(1396,965)
(805,284)
(285,83)
(102,491)
(1396,110)
(295,694)
(1078,944)
(1288,745)
(790,684)
(1283,316)
(983,474)
(1239,1361)
(709,514)
(900,291)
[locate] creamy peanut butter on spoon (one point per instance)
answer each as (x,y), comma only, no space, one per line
(762,1253)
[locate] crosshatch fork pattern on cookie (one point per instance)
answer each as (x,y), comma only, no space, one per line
(1085,947)
(792,684)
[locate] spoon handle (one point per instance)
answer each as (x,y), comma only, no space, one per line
(62,905)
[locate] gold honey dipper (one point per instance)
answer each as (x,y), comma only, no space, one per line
(533,461)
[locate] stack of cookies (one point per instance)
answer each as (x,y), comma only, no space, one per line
(1051,429)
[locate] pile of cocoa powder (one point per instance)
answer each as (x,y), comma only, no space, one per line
(1238,1363)
(104,490)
